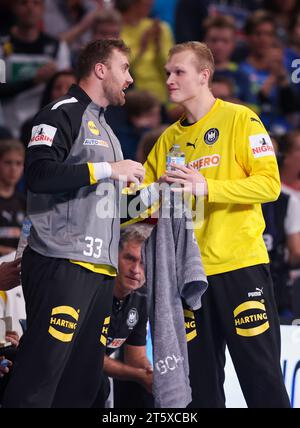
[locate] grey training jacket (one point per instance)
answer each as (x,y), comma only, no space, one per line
(70,217)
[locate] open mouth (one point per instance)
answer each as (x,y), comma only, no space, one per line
(124,89)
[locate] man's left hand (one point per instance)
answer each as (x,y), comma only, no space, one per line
(192,181)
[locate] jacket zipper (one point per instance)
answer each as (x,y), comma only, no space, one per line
(113,219)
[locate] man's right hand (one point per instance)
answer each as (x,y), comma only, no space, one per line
(145,378)
(128,170)
(10,274)
(12,337)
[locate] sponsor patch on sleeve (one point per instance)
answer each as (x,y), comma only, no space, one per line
(42,135)
(261,145)
(115,343)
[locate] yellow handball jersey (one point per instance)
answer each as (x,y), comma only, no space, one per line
(232,149)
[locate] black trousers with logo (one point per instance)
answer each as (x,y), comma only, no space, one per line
(60,359)
(238,310)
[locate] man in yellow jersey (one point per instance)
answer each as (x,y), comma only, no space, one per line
(231,163)
(73,165)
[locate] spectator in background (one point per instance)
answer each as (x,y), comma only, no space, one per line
(12,203)
(10,274)
(189,18)
(238,9)
(56,87)
(146,143)
(223,88)
(108,25)
(290,163)
(165,11)
(71,20)
(32,57)
(282,12)
(12,303)
(220,37)
(102,24)
(7,18)
(140,114)
(85,21)
(282,239)
(273,94)
(9,354)
(5,133)
(149,41)
(295,34)
(292,53)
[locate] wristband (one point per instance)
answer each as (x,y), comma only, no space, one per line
(102,170)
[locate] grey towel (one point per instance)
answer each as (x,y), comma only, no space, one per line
(174,270)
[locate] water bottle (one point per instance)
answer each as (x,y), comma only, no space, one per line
(175,156)
(24,237)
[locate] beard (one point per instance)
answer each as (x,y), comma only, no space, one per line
(113,95)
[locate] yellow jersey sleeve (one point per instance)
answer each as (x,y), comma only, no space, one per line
(91,168)
(255,155)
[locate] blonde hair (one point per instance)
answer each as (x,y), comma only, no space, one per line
(203,55)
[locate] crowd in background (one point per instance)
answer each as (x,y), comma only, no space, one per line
(256,47)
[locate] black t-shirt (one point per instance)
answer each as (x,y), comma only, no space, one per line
(21,78)
(43,45)
(128,321)
(12,212)
(275,238)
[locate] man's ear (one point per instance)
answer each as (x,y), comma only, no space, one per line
(205,75)
(99,70)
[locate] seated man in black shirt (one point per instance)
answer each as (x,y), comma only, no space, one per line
(128,324)
(129,317)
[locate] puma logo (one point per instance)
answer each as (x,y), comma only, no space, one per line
(257,293)
(191,144)
(253,119)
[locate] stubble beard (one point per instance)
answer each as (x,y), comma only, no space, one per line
(113,98)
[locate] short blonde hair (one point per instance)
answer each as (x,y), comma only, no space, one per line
(203,55)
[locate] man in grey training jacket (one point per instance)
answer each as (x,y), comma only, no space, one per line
(73,167)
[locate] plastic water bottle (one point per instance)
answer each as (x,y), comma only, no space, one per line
(175,156)
(24,237)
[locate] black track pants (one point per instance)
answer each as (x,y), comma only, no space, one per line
(60,360)
(238,310)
